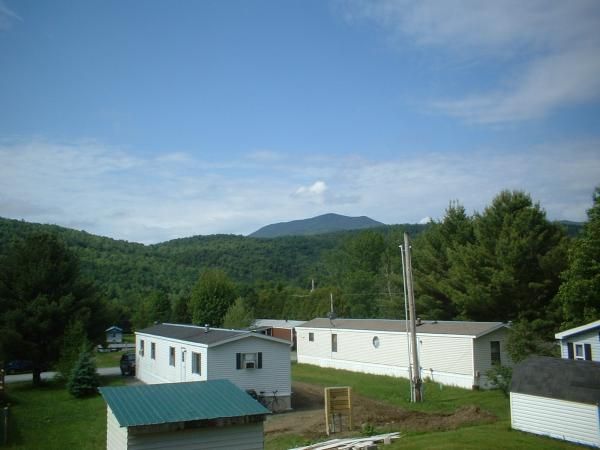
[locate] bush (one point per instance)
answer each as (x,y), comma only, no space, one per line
(84,379)
(500,378)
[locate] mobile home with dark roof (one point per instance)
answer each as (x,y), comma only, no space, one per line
(450,352)
(171,353)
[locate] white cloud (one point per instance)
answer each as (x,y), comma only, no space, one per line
(113,192)
(549,47)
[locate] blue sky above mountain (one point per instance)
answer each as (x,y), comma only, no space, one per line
(152,120)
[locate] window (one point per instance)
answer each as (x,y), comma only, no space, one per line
(172,356)
(334,342)
(579,351)
(182,355)
(196,363)
(141,347)
(376,342)
(311,337)
(248,360)
(495,352)
(152,350)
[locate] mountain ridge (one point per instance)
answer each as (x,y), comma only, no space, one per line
(324,223)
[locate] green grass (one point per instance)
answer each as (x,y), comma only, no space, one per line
(48,417)
(107,359)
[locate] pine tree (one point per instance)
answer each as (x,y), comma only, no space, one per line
(74,340)
(579,294)
(84,379)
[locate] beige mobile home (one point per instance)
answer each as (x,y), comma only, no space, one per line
(450,352)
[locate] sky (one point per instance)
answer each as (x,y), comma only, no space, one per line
(153,120)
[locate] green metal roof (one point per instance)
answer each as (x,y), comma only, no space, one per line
(179,402)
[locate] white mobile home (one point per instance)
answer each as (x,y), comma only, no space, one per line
(450,352)
(557,397)
(170,353)
(581,343)
(204,416)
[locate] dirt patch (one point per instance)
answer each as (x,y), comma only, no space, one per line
(308,419)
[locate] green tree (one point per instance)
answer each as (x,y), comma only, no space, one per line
(432,263)
(84,380)
(40,289)
(160,307)
(238,316)
(211,297)
(74,340)
(181,311)
(511,270)
(579,294)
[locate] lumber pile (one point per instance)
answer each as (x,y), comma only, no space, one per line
(366,443)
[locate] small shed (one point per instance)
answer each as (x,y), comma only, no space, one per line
(114,335)
(199,415)
(581,342)
(557,397)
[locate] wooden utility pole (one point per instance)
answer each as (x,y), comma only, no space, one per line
(416,381)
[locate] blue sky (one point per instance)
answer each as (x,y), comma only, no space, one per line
(153,120)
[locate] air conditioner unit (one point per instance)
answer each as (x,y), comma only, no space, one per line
(249,365)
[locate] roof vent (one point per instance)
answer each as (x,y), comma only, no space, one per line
(206,328)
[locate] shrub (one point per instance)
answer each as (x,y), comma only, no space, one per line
(84,379)
(500,377)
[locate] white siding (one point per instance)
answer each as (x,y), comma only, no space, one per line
(446,359)
(591,337)
(116,437)
(575,422)
(482,354)
(276,365)
(236,437)
(158,370)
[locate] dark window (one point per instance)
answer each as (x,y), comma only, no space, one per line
(248,360)
(152,350)
(495,352)
(172,356)
(334,342)
(196,363)
(311,337)
(141,347)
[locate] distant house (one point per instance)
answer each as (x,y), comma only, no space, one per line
(450,352)
(168,353)
(557,397)
(581,343)
(210,415)
(282,329)
(114,335)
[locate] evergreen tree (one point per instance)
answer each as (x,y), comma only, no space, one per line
(432,263)
(74,340)
(84,379)
(211,297)
(40,289)
(511,270)
(579,294)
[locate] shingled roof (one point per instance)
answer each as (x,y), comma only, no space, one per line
(201,335)
(563,379)
(455,327)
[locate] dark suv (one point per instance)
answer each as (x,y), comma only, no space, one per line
(128,364)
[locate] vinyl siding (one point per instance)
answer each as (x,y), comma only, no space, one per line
(153,371)
(482,354)
(575,422)
(444,358)
(591,337)
(276,365)
(116,437)
(237,437)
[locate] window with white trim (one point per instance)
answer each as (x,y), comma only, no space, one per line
(495,352)
(141,351)
(579,354)
(172,356)
(334,342)
(152,350)
(249,360)
(311,337)
(197,363)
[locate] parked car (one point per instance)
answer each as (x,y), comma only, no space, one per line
(127,364)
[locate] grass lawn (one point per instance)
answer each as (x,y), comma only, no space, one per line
(50,418)
(107,359)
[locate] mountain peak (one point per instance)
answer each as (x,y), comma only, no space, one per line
(325,223)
